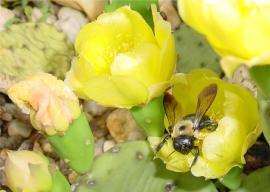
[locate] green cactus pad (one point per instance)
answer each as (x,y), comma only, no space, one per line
(28,48)
(150,117)
(130,167)
(194,51)
(256,181)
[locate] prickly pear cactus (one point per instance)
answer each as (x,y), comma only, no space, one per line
(130,167)
(28,48)
(194,51)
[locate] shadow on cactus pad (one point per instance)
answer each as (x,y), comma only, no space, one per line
(194,51)
(130,167)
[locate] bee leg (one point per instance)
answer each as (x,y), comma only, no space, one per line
(196,148)
(170,154)
(160,145)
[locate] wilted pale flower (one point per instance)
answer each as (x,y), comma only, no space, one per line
(122,62)
(27,171)
(51,104)
(237,29)
(235,111)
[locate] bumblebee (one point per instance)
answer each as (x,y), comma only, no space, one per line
(182,132)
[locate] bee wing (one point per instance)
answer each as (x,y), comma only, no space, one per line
(170,105)
(205,100)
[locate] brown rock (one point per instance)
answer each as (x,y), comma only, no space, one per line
(99,127)
(72,177)
(168,9)
(123,127)
(47,148)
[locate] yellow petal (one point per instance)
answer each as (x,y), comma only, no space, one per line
(167,61)
(112,33)
(174,160)
(230,63)
(190,11)
(80,72)
(138,63)
(237,30)
(108,91)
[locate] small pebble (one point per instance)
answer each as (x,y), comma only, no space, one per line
(19,128)
(99,127)
(99,146)
(37,15)
(10,108)
(13,142)
(123,127)
(47,148)
(6,15)
(2,99)
(93,108)
(107,145)
(37,147)
(63,167)
(26,145)
(70,22)
(16,112)
(169,10)
(3,142)
(72,177)
(3,156)
(6,117)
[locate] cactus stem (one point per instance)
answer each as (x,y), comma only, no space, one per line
(151,117)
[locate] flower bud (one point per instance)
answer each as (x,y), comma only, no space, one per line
(27,171)
(51,104)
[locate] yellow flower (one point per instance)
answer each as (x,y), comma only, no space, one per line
(27,171)
(236,112)
(122,62)
(237,29)
(51,104)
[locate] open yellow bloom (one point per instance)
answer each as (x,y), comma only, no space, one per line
(237,29)
(51,104)
(121,61)
(236,112)
(27,171)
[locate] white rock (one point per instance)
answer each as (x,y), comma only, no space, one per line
(36,14)
(5,15)
(107,145)
(92,8)
(70,21)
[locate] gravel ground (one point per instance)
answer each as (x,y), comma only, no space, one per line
(110,126)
